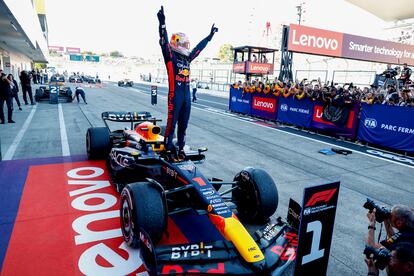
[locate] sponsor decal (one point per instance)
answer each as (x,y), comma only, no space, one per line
(287,252)
(264,104)
(177,269)
(370,123)
(170,172)
(270,231)
(187,166)
(233,99)
(284,107)
(190,250)
(199,181)
(208,193)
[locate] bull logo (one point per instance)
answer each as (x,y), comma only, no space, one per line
(184,72)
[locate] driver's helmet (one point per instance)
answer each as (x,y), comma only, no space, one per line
(179,43)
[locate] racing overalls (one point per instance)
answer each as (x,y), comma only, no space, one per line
(179,96)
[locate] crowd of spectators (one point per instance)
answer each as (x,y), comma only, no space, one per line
(389,94)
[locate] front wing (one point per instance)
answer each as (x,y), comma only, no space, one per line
(278,242)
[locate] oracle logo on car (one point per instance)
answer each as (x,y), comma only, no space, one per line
(265,104)
(314,41)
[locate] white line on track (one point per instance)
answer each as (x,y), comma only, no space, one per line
(289,133)
(12,149)
(63,135)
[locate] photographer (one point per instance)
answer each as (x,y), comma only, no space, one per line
(405,74)
(400,217)
(399,262)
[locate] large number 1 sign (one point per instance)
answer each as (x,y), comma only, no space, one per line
(316,228)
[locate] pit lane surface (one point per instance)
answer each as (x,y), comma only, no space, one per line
(234,143)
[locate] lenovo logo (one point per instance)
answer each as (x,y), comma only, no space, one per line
(314,41)
(264,104)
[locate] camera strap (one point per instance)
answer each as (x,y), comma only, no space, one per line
(379,234)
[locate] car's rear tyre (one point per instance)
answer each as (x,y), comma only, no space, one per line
(142,205)
(98,142)
(256,195)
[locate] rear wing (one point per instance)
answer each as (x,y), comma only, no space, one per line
(132,117)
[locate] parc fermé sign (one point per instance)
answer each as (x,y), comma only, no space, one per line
(76,224)
(316,41)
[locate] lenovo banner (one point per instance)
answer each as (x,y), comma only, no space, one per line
(348,130)
(73,50)
(56,48)
(327,43)
(239,67)
(295,112)
(316,228)
(259,68)
(389,126)
(239,101)
(264,106)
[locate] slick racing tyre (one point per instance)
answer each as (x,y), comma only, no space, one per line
(142,205)
(256,195)
(98,142)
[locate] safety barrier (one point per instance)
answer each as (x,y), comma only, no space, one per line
(382,125)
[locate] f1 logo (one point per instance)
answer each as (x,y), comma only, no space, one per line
(321,196)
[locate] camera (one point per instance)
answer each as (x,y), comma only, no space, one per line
(381,256)
(381,213)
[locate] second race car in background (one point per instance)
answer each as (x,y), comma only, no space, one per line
(55,92)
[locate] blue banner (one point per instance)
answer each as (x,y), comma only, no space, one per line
(295,112)
(239,101)
(389,126)
(264,106)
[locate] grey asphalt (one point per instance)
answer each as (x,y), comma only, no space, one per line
(292,160)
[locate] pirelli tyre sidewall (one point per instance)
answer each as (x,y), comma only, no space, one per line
(98,143)
(256,197)
(142,206)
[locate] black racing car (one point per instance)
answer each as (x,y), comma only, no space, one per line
(153,186)
(125,82)
(55,92)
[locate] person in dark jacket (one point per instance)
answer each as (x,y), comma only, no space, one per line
(177,58)
(15,90)
(5,96)
(26,87)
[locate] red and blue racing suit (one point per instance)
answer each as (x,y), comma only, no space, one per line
(179,97)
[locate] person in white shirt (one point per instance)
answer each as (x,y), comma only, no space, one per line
(194,87)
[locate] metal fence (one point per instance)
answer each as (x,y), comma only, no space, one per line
(356,77)
(219,79)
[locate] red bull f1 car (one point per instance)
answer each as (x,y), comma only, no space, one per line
(55,92)
(153,187)
(125,82)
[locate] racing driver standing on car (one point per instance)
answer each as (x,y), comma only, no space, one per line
(177,58)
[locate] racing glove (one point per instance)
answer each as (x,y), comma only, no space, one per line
(212,32)
(161,16)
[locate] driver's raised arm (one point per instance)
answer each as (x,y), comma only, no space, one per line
(203,43)
(165,46)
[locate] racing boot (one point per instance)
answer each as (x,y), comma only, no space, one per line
(170,155)
(181,155)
